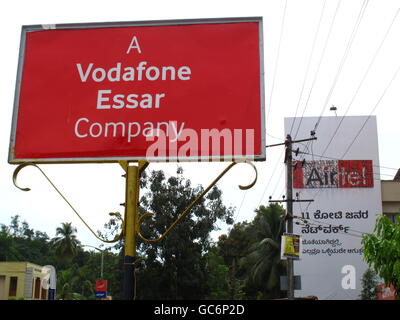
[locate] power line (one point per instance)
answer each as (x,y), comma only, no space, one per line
(376,105)
(274,137)
(326,223)
(373,173)
(363,79)
(277,62)
(342,61)
(241,204)
(333,158)
(339,232)
(344,58)
(308,65)
(319,65)
(271,94)
(269,181)
(365,122)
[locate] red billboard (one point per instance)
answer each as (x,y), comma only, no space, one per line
(333,174)
(162,90)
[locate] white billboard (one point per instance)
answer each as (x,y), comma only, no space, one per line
(340,172)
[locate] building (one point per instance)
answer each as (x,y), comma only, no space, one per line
(23,280)
(391,196)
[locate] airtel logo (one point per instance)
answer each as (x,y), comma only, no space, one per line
(333,174)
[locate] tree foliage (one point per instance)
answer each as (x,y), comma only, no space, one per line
(244,263)
(382,250)
(369,282)
(65,243)
(252,251)
(177,265)
(264,255)
(75,279)
(20,243)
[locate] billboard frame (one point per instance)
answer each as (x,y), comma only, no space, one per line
(96,25)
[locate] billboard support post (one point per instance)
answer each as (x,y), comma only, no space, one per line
(131,200)
(131,220)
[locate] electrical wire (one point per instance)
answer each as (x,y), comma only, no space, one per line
(333,158)
(344,58)
(363,79)
(365,122)
(342,62)
(339,232)
(325,223)
(277,62)
(376,105)
(319,65)
(308,64)
(241,204)
(273,174)
(272,91)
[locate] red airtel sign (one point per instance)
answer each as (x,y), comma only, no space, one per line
(162,90)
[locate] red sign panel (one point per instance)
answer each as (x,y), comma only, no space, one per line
(101,285)
(333,174)
(185,90)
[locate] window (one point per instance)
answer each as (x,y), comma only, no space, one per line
(392,216)
(13,287)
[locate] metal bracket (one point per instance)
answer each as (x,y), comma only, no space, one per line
(116,214)
(142,165)
(199,197)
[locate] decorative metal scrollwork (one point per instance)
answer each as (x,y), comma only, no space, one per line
(199,197)
(116,214)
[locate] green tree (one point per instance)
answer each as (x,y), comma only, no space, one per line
(8,248)
(65,243)
(233,247)
(177,265)
(76,279)
(18,242)
(67,282)
(218,275)
(382,250)
(369,282)
(263,260)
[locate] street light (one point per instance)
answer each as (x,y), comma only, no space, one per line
(333,108)
(102,257)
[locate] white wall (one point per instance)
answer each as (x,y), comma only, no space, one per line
(321,271)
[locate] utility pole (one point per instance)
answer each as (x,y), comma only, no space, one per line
(289,203)
(289,210)
(102,258)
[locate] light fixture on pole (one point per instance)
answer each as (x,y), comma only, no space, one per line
(333,108)
(102,257)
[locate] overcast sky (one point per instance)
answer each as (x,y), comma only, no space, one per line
(357,78)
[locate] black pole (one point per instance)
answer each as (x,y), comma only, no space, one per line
(129,279)
(289,212)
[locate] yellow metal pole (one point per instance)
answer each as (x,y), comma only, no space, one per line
(131,227)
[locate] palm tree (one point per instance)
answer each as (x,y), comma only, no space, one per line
(65,243)
(264,257)
(67,280)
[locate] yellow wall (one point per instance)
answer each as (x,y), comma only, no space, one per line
(18,269)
